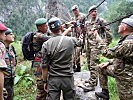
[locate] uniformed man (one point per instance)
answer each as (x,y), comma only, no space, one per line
(57,60)
(93,53)
(11,62)
(78,16)
(38,39)
(3,65)
(121,68)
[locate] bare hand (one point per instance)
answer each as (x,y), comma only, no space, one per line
(45,87)
(103,65)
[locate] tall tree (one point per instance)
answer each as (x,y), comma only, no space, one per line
(58,9)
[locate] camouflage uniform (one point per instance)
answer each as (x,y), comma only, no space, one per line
(121,68)
(93,53)
(3,64)
(37,44)
(76,55)
(9,73)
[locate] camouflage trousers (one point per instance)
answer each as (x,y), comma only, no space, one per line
(124,82)
(94,61)
(41,94)
(8,85)
(76,59)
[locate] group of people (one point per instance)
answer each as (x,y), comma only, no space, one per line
(7,62)
(58,56)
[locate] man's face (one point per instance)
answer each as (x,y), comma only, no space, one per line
(43,28)
(9,38)
(75,12)
(93,13)
(2,35)
(121,28)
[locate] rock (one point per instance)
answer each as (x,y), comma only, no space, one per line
(79,79)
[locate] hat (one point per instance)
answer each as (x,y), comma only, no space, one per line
(54,23)
(131,16)
(92,8)
(74,7)
(2,27)
(41,21)
(128,21)
(8,31)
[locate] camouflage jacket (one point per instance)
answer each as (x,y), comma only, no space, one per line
(123,54)
(80,17)
(11,62)
(38,41)
(104,32)
(2,56)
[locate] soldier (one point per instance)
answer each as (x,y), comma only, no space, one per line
(93,53)
(3,65)
(57,57)
(11,62)
(38,39)
(78,16)
(121,68)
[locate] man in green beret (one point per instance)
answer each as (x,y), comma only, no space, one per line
(40,36)
(92,52)
(10,58)
(121,68)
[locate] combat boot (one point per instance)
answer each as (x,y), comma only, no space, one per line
(104,94)
(87,87)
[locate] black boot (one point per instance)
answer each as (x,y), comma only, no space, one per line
(77,68)
(104,94)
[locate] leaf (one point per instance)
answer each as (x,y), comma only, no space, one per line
(17,79)
(30,78)
(22,70)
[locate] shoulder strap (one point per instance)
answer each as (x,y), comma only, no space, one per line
(58,46)
(60,43)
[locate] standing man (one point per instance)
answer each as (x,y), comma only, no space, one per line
(3,65)
(57,66)
(78,16)
(93,53)
(122,66)
(11,62)
(39,38)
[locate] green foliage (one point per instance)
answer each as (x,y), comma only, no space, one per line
(18,48)
(24,82)
(112,89)
(116,10)
(21,15)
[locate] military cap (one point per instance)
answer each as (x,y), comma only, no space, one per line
(41,21)
(74,7)
(92,8)
(128,21)
(54,23)
(131,16)
(8,31)
(2,27)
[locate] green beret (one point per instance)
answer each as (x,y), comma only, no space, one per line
(41,21)
(74,7)
(92,8)
(8,31)
(128,21)
(131,16)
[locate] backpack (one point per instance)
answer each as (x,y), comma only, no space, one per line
(27,46)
